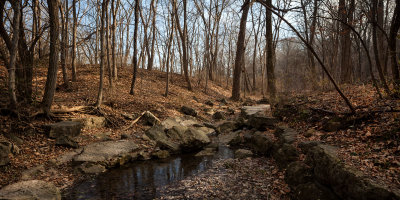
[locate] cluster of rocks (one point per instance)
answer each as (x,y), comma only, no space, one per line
(320,176)
(181,134)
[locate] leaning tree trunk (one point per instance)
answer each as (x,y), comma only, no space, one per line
(51,81)
(240,49)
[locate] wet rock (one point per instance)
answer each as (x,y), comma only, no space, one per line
(285,154)
(91,168)
(206,152)
(194,139)
(108,153)
(142,155)
(227,126)
(32,173)
(209,103)
(243,153)
(157,134)
(298,173)
(258,142)
(5,149)
(33,189)
(219,115)
(64,128)
(313,190)
(188,111)
(161,154)
(91,122)
(67,141)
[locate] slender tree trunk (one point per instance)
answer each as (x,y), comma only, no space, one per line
(153,30)
(51,80)
(109,67)
(240,50)
(183,36)
(135,36)
(113,28)
(102,52)
(73,51)
(64,43)
(171,36)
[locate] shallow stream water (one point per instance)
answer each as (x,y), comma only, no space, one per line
(143,179)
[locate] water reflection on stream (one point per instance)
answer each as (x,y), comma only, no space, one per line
(141,179)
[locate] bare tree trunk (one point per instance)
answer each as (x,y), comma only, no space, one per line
(171,36)
(240,50)
(102,52)
(270,53)
(13,55)
(51,80)
(64,42)
(183,36)
(114,11)
(73,52)
(394,28)
(346,15)
(110,76)
(375,46)
(135,36)
(153,30)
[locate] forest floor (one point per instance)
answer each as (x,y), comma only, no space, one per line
(370,140)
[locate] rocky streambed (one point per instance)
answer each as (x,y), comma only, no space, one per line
(183,147)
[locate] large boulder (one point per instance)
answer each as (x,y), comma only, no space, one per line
(157,133)
(257,141)
(178,138)
(5,149)
(345,181)
(33,189)
(109,153)
(64,128)
(188,111)
(261,122)
(194,139)
(286,135)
